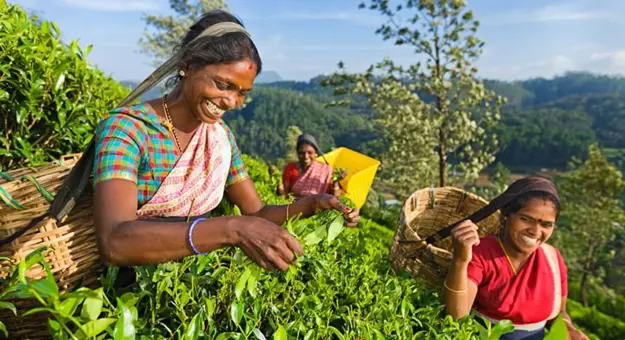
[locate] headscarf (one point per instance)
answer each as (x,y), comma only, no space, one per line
(307,138)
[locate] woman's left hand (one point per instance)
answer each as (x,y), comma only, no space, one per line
(325,202)
(574,333)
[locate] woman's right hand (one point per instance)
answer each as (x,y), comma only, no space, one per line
(266,243)
(464,236)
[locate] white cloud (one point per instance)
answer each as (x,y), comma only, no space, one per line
(612,62)
(561,12)
(115,5)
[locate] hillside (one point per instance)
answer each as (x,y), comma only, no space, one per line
(577,109)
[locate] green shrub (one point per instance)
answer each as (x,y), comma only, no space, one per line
(50,96)
(600,325)
(340,288)
(603,299)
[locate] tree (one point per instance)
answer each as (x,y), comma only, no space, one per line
(293,132)
(434,110)
(169,30)
(591,195)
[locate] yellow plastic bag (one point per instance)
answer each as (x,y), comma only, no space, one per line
(361,171)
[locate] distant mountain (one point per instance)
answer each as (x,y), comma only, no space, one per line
(268,77)
(154,92)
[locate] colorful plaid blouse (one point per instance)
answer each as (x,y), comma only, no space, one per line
(133,144)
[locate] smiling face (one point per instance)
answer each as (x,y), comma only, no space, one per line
(306,154)
(531,226)
(214,89)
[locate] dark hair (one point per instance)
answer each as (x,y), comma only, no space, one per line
(522,200)
(230,47)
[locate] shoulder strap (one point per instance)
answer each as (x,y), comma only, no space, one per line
(552,258)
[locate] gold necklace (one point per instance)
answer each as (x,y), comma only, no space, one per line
(507,257)
(169,123)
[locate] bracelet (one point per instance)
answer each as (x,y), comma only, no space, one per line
(453,290)
(190,237)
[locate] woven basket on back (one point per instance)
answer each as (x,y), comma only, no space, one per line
(424,213)
(72,251)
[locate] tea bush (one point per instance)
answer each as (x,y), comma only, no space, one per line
(600,325)
(50,96)
(341,288)
(603,300)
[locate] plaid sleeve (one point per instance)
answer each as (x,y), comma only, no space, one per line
(117,149)
(237,169)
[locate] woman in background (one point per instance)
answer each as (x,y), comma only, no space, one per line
(308,176)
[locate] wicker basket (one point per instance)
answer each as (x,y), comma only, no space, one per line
(72,251)
(424,213)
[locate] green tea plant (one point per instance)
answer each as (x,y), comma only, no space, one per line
(50,96)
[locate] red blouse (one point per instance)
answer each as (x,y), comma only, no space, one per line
(525,298)
(290,174)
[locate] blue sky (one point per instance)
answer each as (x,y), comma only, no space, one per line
(304,38)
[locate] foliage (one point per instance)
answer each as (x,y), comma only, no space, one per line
(606,114)
(546,137)
(262,125)
(293,132)
(594,323)
(81,314)
(167,31)
(591,194)
(435,110)
(50,96)
(342,286)
(602,298)
(572,83)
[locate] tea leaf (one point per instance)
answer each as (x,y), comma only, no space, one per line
(91,308)
(124,328)
(259,335)
(242,282)
(236,312)
(335,228)
(95,327)
(195,327)
(316,236)
(8,305)
(558,330)
(280,334)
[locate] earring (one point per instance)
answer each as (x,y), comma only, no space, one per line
(181,73)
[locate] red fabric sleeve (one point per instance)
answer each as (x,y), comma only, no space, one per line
(475,270)
(563,274)
(290,174)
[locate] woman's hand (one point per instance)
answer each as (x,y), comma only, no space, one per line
(574,333)
(325,202)
(464,236)
(266,243)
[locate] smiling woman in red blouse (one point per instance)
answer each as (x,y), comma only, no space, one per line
(308,176)
(514,275)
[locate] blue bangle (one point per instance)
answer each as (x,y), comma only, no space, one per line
(190,237)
